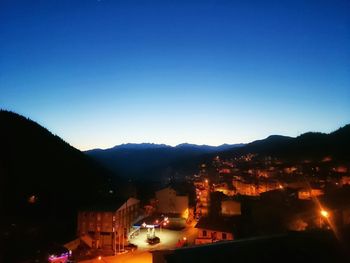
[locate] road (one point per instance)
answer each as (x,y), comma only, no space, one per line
(168,238)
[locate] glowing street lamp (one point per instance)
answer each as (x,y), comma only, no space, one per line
(324,213)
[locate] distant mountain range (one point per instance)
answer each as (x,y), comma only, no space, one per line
(154,161)
(147,146)
(148,160)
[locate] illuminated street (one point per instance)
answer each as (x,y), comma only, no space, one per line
(168,240)
(131,257)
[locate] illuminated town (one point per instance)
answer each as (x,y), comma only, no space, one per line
(230,200)
(174,131)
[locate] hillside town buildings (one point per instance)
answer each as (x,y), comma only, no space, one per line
(107,226)
(169,201)
(212,230)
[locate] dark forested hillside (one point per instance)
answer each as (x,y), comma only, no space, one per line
(311,145)
(43,181)
(156,162)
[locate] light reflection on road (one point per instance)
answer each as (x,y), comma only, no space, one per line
(168,240)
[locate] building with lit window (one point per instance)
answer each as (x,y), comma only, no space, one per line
(230,207)
(214,229)
(255,188)
(169,201)
(309,193)
(107,226)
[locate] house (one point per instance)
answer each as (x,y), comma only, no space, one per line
(212,229)
(309,193)
(107,225)
(345,180)
(169,201)
(230,208)
(255,188)
(223,188)
(245,188)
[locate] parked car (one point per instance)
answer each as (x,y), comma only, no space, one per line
(153,240)
(131,247)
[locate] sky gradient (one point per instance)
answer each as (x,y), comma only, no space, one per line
(102,73)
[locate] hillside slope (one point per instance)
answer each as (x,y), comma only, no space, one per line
(311,145)
(43,181)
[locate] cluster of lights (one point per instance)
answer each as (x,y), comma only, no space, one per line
(32,199)
(166,221)
(62,256)
(324,213)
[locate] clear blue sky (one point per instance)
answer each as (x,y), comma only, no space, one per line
(101,73)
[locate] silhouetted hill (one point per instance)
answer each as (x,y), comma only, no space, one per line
(311,145)
(149,161)
(153,162)
(34,162)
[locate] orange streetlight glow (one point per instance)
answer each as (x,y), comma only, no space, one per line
(324,213)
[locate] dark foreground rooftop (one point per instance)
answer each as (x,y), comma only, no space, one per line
(291,247)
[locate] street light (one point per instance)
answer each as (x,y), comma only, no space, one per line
(324,213)
(100,258)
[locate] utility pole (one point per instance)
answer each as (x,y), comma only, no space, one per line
(125,222)
(119,224)
(119,239)
(114,236)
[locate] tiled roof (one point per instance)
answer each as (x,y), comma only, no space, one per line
(222,224)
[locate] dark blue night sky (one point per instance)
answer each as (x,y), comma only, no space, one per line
(100,73)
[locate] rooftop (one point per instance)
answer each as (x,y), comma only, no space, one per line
(222,224)
(293,246)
